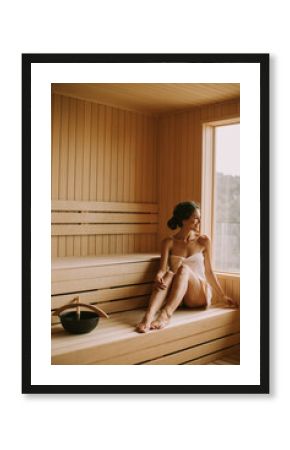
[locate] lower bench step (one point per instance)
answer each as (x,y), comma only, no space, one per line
(227,356)
(190,335)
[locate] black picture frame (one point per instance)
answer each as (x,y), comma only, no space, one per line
(263,61)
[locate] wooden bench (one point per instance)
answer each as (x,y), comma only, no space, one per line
(113,282)
(191,337)
(121,285)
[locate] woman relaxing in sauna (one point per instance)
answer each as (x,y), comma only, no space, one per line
(190,277)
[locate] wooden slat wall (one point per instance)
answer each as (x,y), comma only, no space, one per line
(101,153)
(180,150)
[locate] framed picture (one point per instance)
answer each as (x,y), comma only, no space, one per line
(145,223)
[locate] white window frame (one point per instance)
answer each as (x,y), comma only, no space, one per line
(208,178)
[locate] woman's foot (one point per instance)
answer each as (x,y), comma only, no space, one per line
(161,321)
(143,326)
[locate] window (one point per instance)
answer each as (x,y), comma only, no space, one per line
(221,193)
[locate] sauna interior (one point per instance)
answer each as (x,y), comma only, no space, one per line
(123,155)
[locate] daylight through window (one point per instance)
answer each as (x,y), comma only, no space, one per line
(226,226)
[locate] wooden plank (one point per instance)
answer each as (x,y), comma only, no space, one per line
(170,347)
(54,247)
(86,169)
(226,361)
(126,181)
(55,144)
(101,260)
(125,305)
(87,152)
(84,217)
(89,229)
(120,157)
(226,276)
(100,152)
(198,157)
(114,160)
(123,327)
(212,357)
(71,149)
(115,338)
(78,167)
(70,286)
(61,246)
(116,306)
(132,160)
(80,113)
(94,151)
(59,205)
(138,160)
(235,359)
(154,150)
(71,165)
(183,160)
(229,287)
(108,154)
(236,290)
(146,179)
(94,346)
(81,273)
(103,295)
(197,351)
(63,161)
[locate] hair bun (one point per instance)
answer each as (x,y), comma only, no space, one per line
(172,223)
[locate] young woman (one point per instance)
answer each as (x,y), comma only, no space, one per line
(190,277)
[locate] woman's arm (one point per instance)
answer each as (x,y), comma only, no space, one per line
(209,273)
(165,244)
(163,268)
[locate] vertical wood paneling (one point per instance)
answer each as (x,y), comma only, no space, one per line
(236,289)
(154,159)
(108,153)
(120,158)
(190,178)
(93,169)
(101,153)
(132,158)
(230,285)
(126,162)
(71,165)
(55,144)
(114,156)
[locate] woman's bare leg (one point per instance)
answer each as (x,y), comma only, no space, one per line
(155,302)
(179,288)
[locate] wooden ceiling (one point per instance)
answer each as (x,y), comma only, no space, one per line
(152,98)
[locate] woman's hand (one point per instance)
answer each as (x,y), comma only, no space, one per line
(227,302)
(159,281)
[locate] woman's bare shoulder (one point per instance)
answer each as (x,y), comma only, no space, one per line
(204,240)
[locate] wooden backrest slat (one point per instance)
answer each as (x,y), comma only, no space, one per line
(89,284)
(92,229)
(73,205)
(101,217)
(79,218)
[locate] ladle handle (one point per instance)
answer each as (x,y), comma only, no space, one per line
(75,305)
